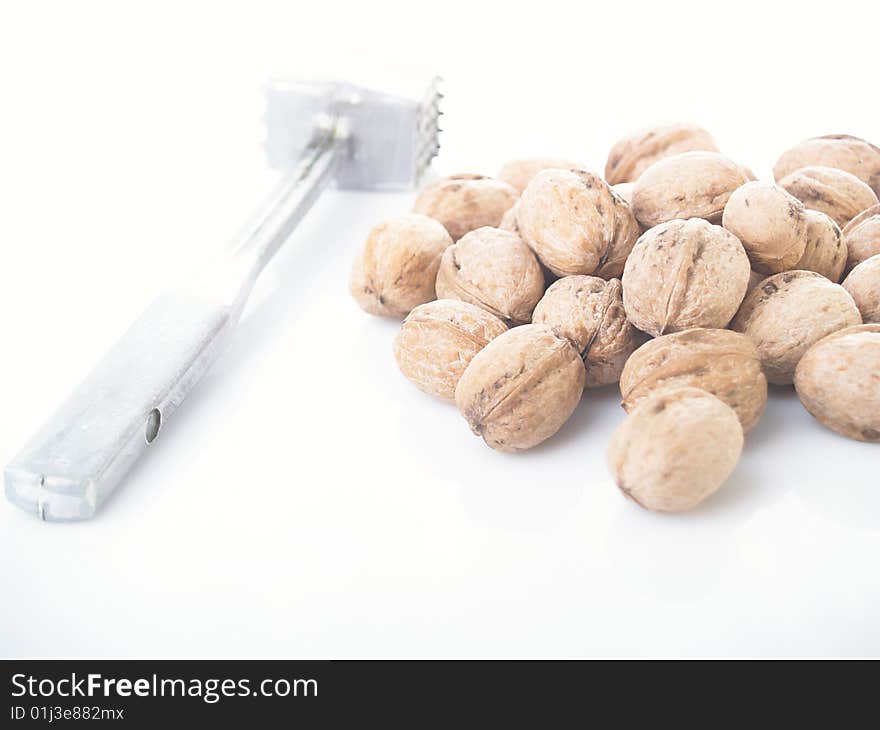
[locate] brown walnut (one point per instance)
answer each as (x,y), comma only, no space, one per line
(688,185)
(438,340)
(398,266)
(676,448)
(465,202)
(589,312)
(576,223)
(721,362)
(632,155)
(837,381)
(495,270)
(838,194)
(789,312)
(683,274)
(842,151)
(521,387)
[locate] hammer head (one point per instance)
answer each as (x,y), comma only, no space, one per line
(393,138)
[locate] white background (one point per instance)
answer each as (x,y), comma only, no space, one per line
(308,501)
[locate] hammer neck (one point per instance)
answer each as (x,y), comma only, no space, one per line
(291,200)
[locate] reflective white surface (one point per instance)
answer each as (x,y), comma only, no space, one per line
(308,501)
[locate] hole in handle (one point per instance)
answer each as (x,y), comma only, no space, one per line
(154,423)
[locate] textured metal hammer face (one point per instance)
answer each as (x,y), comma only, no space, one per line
(318,134)
(393,139)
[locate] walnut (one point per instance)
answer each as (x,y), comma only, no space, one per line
(688,185)
(676,448)
(397,268)
(508,220)
(841,151)
(755,278)
(770,224)
(521,387)
(825,251)
(861,236)
(437,340)
(589,312)
(837,382)
(576,224)
(519,173)
(721,362)
(466,202)
(495,270)
(625,191)
(787,313)
(632,155)
(684,274)
(863,285)
(839,194)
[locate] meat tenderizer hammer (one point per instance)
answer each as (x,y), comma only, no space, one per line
(317,134)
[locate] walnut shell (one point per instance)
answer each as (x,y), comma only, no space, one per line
(684,274)
(862,237)
(676,448)
(688,185)
(519,173)
(837,382)
(755,278)
(576,224)
(509,223)
(508,220)
(398,266)
(841,151)
(825,251)
(495,270)
(863,285)
(721,362)
(770,224)
(521,387)
(438,340)
(625,191)
(836,193)
(632,155)
(787,313)
(466,202)
(588,311)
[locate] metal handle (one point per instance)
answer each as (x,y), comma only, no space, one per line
(292,199)
(76,460)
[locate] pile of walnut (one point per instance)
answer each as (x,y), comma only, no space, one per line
(678,275)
